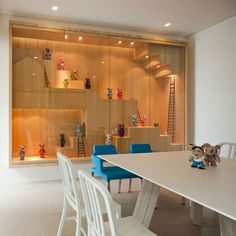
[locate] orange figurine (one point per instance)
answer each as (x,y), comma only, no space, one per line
(42,150)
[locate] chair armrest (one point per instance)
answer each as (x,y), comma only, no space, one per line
(98,162)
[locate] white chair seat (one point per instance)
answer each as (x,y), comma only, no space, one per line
(129,226)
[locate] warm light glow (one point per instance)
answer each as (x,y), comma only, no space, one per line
(103,62)
(120,42)
(147,56)
(132,43)
(167,24)
(66,36)
(54,8)
(35,57)
(158,66)
(80,38)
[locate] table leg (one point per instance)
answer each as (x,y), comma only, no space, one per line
(196,213)
(227,226)
(146,202)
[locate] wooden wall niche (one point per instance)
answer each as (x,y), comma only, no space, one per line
(141,70)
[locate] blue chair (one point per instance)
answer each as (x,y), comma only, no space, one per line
(109,173)
(140,148)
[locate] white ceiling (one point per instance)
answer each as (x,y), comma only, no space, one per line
(187,16)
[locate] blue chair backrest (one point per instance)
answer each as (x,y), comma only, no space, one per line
(101,150)
(140,148)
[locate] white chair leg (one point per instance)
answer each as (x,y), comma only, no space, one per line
(119,186)
(196,213)
(78,224)
(130,182)
(63,216)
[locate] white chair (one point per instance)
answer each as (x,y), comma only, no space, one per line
(228,150)
(73,196)
(127,226)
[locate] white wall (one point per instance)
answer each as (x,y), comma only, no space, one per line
(212,82)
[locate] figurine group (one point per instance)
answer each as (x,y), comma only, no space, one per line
(41,151)
(205,155)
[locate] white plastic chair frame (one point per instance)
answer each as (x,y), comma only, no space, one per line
(231,151)
(71,195)
(91,190)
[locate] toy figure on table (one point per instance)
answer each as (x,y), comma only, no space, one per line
(211,154)
(197,157)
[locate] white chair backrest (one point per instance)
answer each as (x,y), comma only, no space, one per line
(69,180)
(91,189)
(228,150)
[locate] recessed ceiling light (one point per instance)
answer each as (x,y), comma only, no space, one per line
(54,8)
(120,42)
(35,57)
(167,24)
(147,56)
(66,36)
(80,37)
(103,62)
(132,43)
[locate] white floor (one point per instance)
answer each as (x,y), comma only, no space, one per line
(35,209)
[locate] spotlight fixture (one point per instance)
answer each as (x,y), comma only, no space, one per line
(66,36)
(132,43)
(167,24)
(54,8)
(120,42)
(80,38)
(35,57)
(146,56)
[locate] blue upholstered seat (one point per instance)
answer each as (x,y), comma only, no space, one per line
(140,148)
(108,172)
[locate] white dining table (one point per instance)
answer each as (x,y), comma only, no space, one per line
(213,187)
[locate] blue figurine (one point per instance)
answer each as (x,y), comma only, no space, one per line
(79,130)
(197,157)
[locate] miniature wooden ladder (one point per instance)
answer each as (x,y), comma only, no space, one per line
(46,80)
(171,110)
(81,148)
(139,119)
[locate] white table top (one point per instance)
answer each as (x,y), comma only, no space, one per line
(214,187)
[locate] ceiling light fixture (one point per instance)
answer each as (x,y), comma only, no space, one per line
(132,43)
(167,24)
(66,36)
(54,8)
(35,57)
(120,42)
(80,37)
(146,56)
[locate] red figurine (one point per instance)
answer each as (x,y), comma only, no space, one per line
(42,150)
(61,65)
(119,93)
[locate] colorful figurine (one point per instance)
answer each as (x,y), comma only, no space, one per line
(121,130)
(119,93)
(197,157)
(66,82)
(74,75)
(87,83)
(156,124)
(134,120)
(61,65)
(211,154)
(42,150)
(109,93)
(144,120)
(22,153)
(62,140)
(47,54)
(108,139)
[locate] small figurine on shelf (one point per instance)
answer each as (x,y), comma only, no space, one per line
(65,82)
(87,83)
(83,129)
(119,93)
(79,130)
(144,120)
(74,75)
(62,140)
(108,139)
(156,124)
(47,54)
(61,65)
(42,150)
(109,93)
(211,154)
(134,120)
(121,130)
(197,157)
(22,153)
